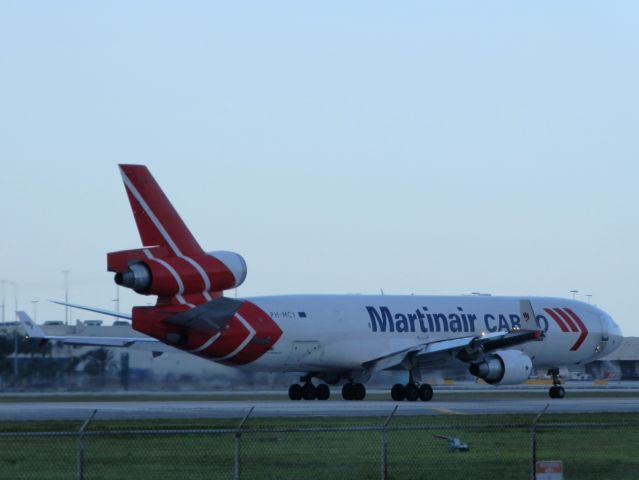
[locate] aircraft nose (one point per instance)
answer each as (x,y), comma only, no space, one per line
(615,335)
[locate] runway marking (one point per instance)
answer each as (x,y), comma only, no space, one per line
(447,411)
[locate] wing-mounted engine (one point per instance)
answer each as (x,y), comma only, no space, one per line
(506,367)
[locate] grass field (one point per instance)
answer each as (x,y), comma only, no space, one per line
(277,449)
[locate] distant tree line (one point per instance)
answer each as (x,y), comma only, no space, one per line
(37,365)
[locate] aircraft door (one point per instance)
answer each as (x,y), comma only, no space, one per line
(602,342)
(605,333)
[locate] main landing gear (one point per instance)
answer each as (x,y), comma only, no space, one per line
(411,392)
(308,391)
(556,391)
(353,391)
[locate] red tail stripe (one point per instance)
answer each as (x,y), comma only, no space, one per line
(223,349)
(582,326)
(267,333)
(158,222)
(231,338)
(567,319)
(210,263)
(556,318)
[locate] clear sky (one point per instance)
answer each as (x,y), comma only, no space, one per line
(340,147)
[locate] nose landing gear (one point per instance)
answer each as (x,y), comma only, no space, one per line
(556,391)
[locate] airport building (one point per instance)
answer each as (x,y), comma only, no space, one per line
(55,365)
(623,362)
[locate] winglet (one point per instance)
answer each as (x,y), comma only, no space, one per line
(33,331)
(528,318)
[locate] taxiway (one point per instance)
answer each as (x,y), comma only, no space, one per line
(112,410)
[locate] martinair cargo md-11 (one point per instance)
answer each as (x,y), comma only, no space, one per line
(332,339)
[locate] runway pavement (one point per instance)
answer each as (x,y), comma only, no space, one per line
(112,410)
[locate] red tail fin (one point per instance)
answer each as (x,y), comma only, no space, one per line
(171,265)
(158,222)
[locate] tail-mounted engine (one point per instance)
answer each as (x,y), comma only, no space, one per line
(507,367)
(154,271)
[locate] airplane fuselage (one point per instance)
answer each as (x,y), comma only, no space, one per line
(343,332)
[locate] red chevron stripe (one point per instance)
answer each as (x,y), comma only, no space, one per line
(267,332)
(556,318)
(567,319)
(582,326)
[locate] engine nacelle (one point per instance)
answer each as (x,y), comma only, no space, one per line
(137,277)
(168,276)
(508,367)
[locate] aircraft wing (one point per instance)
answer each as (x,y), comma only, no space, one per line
(137,342)
(101,311)
(465,349)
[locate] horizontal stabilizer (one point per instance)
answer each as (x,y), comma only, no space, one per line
(139,342)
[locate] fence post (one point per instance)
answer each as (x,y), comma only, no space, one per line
(80,446)
(238,445)
(533,442)
(384,446)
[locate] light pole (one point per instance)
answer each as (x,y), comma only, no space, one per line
(588,296)
(15,299)
(116,300)
(15,354)
(4,291)
(35,310)
(66,295)
(15,334)
(574,292)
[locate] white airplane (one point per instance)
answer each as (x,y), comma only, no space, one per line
(333,339)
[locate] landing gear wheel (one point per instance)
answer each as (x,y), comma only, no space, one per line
(425,392)
(347,391)
(398,392)
(308,391)
(322,392)
(359,391)
(556,391)
(561,392)
(412,392)
(295,392)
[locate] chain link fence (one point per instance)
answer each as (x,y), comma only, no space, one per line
(396,447)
